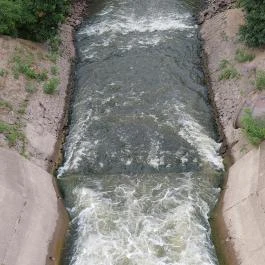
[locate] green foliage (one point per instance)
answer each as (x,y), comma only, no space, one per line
(12,133)
(37,20)
(54,70)
(51,86)
(228,71)
(260,80)
(53,56)
(3,72)
(253,32)
(254,130)
(30,88)
(243,56)
(25,66)
(23,107)
(223,64)
(10,16)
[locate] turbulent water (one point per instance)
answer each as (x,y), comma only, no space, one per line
(140,158)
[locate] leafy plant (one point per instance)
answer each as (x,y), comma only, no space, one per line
(243,56)
(254,129)
(51,86)
(36,20)
(260,80)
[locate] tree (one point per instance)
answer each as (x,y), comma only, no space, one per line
(253,32)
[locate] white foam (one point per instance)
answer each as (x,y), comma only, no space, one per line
(126,24)
(169,233)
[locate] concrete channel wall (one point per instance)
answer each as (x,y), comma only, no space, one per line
(29,211)
(244,207)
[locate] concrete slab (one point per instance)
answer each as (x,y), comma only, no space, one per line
(29,211)
(244,207)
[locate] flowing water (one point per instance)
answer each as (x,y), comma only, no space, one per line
(139,177)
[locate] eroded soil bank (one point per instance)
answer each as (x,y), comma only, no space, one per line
(32,123)
(240,214)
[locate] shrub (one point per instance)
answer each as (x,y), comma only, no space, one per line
(51,86)
(253,32)
(260,80)
(36,20)
(254,130)
(10,16)
(243,56)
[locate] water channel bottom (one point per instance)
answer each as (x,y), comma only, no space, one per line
(139,177)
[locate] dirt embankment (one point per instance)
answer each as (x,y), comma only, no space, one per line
(240,217)
(35,86)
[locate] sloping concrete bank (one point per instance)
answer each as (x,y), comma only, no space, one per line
(33,219)
(241,212)
(30,211)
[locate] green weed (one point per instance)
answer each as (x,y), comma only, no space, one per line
(243,56)
(5,105)
(260,80)
(30,88)
(12,133)
(51,86)
(254,130)
(3,72)
(228,71)
(54,70)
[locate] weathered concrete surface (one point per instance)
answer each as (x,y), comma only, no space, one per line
(29,211)
(244,207)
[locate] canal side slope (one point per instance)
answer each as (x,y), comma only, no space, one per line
(243,202)
(35,85)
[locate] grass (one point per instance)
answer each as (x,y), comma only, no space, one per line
(53,56)
(54,70)
(223,64)
(254,130)
(243,56)
(3,72)
(5,105)
(51,86)
(228,71)
(23,107)
(260,80)
(30,87)
(12,133)
(25,65)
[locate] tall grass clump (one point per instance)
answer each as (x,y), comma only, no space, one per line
(228,71)
(254,129)
(260,80)
(243,56)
